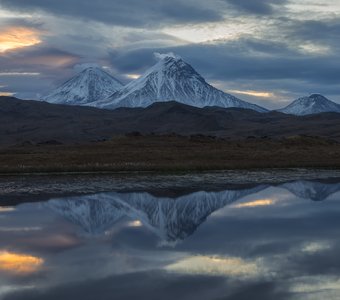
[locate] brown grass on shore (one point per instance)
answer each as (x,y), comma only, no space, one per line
(171,153)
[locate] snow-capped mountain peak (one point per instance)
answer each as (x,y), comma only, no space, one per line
(172,79)
(313,104)
(92,84)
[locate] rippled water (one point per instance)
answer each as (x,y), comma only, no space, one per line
(254,241)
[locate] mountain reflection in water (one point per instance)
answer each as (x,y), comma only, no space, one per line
(254,242)
(171,219)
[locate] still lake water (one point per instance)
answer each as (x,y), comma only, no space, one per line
(253,241)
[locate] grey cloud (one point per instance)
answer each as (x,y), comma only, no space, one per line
(259,7)
(264,291)
(131,13)
(53,65)
(156,285)
(39,59)
(146,285)
(246,59)
(249,64)
(21,22)
(325,32)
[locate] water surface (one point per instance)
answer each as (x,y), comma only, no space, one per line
(253,241)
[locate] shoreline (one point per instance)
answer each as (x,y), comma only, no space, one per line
(16,190)
(165,172)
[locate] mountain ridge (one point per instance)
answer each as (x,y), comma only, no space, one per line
(172,79)
(91,84)
(37,121)
(313,104)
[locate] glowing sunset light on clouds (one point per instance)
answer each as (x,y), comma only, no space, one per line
(133,76)
(256,203)
(254,93)
(6,209)
(215,266)
(18,37)
(19,263)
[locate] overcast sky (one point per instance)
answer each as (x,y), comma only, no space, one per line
(265,51)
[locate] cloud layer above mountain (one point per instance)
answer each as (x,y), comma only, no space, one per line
(265,51)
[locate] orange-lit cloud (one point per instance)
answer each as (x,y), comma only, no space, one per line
(254,93)
(133,76)
(19,263)
(260,202)
(54,60)
(52,241)
(6,94)
(47,59)
(12,38)
(5,209)
(136,223)
(220,266)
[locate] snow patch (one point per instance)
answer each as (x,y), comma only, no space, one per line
(81,67)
